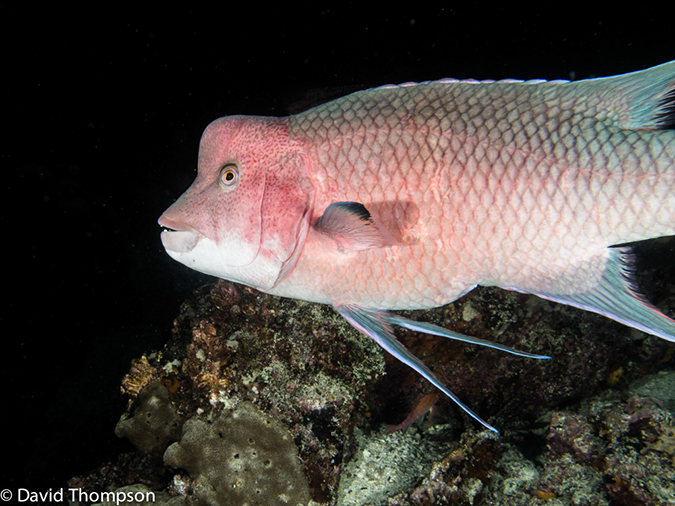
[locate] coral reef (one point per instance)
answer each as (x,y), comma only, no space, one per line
(577,429)
(297,362)
(419,468)
(611,451)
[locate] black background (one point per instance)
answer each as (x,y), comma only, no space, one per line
(101,118)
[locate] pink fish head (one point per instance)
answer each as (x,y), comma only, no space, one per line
(247,212)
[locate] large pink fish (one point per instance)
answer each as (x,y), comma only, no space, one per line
(407,197)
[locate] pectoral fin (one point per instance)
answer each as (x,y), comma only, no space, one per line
(377,324)
(352,227)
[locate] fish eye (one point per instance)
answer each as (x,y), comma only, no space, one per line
(229,175)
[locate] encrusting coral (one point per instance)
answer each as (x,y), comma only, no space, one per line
(242,458)
(155,423)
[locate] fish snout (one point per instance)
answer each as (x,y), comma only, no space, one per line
(168,222)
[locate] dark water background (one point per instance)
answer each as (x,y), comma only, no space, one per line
(102,114)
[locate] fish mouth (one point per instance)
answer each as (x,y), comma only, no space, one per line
(178,238)
(179,241)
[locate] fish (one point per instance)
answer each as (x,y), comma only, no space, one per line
(409,196)
(424,406)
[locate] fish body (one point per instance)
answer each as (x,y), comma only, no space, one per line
(407,197)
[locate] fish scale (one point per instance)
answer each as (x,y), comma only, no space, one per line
(407,197)
(511,189)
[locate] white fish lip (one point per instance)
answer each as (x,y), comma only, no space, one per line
(176,236)
(180,241)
